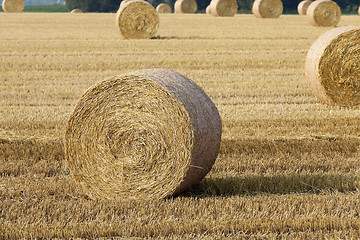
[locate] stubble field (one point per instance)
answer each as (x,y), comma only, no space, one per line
(289,166)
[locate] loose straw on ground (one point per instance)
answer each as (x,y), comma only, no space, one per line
(146,134)
(332,67)
(324,13)
(303,6)
(185,6)
(163,8)
(267,8)
(137,19)
(76,11)
(13,6)
(223,8)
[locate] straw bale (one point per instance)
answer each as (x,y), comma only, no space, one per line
(267,8)
(147,134)
(76,11)
(13,6)
(163,8)
(208,10)
(223,8)
(332,67)
(359,11)
(303,6)
(137,19)
(185,6)
(324,13)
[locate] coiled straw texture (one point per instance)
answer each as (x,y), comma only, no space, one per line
(267,8)
(223,8)
(324,13)
(332,67)
(163,8)
(137,19)
(303,6)
(185,6)
(147,134)
(13,6)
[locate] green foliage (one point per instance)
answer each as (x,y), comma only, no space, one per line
(94,5)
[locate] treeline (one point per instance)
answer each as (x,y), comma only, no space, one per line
(290,6)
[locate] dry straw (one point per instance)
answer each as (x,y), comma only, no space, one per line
(208,10)
(359,11)
(147,134)
(332,67)
(185,6)
(137,19)
(223,8)
(163,8)
(267,8)
(303,6)
(13,6)
(324,13)
(76,11)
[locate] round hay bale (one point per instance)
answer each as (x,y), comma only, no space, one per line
(76,11)
(359,11)
(163,8)
(185,6)
(137,19)
(267,8)
(125,1)
(324,13)
(146,134)
(332,67)
(223,8)
(208,10)
(303,6)
(13,6)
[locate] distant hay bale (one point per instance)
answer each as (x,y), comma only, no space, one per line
(13,6)
(332,67)
(185,6)
(208,10)
(359,11)
(267,8)
(76,11)
(147,134)
(223,8)
(303,6)
(137,19)
(324,13)
(163,8)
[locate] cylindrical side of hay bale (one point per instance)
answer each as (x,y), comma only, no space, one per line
(359,11)
(223,8)
(76,11)
(163,8)
(13,6)
(303,6)
(146,134)
(137,19)
(332,67)
(208,9)
(125,1)
(267,8)
(185,6)
(324,13)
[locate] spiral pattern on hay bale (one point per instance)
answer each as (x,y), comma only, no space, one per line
(303,6)
(163,8)
(137,19)
(267,8)
(324,13)
(223,8)
(185,6)
(146,134)
(13,6)
(332,67)
(76,11)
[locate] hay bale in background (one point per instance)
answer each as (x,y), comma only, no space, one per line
(208,10)
(137,19)
(324,13)
(163,8)
(13,6)
(76,11)
(223,8)
(185,6)
(303,6)
(147,134)
(359,11)
(332,67)
(267,8)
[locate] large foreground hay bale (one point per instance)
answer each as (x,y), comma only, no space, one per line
(76,11)
(332,67)
(303,6)
(163,8)
(267,8)
(324,13)
(147,134)
(137,19)
(223,8)
(13,6)
(185,6)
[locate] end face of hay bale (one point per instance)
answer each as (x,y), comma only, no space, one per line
(185,6)
(137,19)
(332,67)
(13,6)
(267,8)
(223,8)
(324,13)
(303,6)
(76,11)
(163,8)
(146,134)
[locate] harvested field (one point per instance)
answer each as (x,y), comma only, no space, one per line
(289,166)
